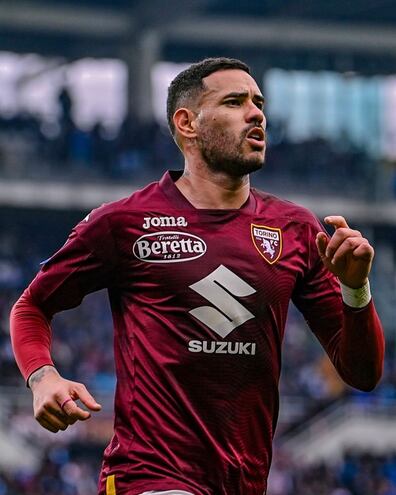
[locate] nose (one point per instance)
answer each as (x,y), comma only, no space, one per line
(255,114)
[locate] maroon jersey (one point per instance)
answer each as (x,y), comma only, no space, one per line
(199,300)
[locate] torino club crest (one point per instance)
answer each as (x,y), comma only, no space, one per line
(267,241)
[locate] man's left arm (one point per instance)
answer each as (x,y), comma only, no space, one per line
(357,349)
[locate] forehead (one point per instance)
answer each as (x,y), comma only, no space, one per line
(230,81)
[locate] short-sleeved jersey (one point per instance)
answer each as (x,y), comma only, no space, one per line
(199,299)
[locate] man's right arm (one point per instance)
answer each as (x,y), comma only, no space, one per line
(53,396)
(30,335)
(84,264)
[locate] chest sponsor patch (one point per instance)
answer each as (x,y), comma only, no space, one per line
(267,241)
(168,247)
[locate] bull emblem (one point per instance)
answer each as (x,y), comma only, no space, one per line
(268,247)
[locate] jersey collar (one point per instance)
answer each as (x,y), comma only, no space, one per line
(168,187)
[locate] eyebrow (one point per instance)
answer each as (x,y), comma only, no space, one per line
(244,94)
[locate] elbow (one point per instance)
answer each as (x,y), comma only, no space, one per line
(366,387)
(364,370)
(365,382)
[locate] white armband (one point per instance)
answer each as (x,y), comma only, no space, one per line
(356,298)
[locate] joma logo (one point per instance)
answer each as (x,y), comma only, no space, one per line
(164,222)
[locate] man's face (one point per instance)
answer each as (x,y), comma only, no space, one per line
(231,124)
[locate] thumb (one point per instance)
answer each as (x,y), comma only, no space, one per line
(321,243)
(86,398)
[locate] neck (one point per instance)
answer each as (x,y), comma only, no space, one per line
(213,190)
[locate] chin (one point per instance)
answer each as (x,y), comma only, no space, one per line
(255,167)
(256,162)
(248,167)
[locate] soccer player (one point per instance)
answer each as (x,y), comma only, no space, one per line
(200,269)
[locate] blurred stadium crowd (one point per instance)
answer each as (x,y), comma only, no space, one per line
(73,471)
(30,148)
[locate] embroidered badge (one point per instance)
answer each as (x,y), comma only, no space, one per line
(267,241)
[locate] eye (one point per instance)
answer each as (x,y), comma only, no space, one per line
(234,102)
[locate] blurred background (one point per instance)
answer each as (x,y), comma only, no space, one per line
(82,121)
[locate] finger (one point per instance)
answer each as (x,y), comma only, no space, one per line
(336,221)
(48,426)
(52,419)
(55,421)
(63,402)
(348,247)
(74,412)
(338,238)
(48,407)
(57,410)
(86,398)
(364,251)
(56,416)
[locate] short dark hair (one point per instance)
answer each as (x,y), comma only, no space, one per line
(188,83)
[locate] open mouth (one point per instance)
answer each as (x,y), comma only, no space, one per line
(256,137)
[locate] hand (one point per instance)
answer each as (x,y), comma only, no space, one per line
(346,254)
(54,399)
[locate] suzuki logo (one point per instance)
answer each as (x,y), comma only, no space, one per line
(227,313)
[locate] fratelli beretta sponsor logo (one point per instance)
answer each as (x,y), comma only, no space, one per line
(168,247)
(267,241)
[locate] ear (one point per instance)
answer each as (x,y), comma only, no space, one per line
(184,120)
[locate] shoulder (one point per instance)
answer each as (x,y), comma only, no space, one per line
(270,204)
(105,221)
(140,199)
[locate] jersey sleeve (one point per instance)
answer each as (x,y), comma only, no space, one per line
(317,293)
(87,262)
(30,333)
(353,338)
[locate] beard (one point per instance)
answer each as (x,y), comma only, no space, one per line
(223,153)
